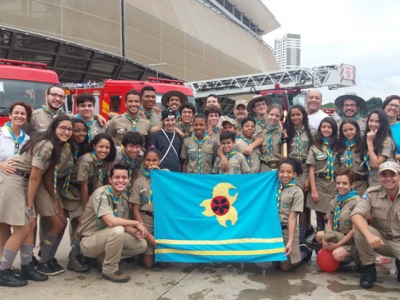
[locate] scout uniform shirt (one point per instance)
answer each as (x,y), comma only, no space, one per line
(94,127)
(345,224)
(100,204)
(237,165)
(190,153)
(384,212)
(254,162)
(151,116)
(187,130)
(215,133)
(40,120)
(119,125)
(388,149)
(141,194)
(362,122)
(359,167)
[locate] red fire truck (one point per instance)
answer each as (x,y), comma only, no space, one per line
(23,81)
(110,94)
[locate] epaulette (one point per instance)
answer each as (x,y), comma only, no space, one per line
(371,189)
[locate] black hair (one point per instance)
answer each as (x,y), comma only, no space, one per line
(131,92)
(295,163)
(188,105)
(82,98)
(212,109)
(50,135)
(227,135)
(54,86)
(147,88)
(200,116)
(97,138)
(319,141)
(133,138)
(119,166)
(383,131)
(82,145)
(247,119)
(390,99)
(290,127)
(213,95)
(152,149)
(360,143)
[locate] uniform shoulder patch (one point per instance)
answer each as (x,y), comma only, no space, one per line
(365,196)
(373,189)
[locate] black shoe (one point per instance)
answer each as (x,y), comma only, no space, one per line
(29,273)
(35,261)
(397,262)
(48,268)
(307,249)
(129,259)
(10,280)
(367,279)
(359,269)
(56,265)
(310,231)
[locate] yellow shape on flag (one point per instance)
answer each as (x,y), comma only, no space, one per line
(221,204)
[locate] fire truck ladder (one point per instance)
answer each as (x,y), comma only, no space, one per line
(301,78)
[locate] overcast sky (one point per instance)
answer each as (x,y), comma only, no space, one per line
(363,33)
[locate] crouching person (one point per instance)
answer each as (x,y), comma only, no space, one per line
(106,233)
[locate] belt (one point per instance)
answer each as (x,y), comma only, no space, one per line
(271,164)
(22,174)
(361,177)
(148,213)
(284,227)
(322,176)
(303,161)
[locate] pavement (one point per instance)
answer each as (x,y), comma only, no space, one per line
(210,282)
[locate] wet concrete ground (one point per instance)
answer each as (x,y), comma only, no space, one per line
(209,282)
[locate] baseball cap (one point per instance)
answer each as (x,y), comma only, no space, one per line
(167,113)
(389,165)
(241,102)
(230,121)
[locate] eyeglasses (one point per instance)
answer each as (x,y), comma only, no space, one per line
(350,105)
(259,104)
(395,106)
(55,95)
(65,128)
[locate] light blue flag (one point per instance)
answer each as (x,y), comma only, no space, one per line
(216,218)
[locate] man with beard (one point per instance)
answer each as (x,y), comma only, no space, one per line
(241,113)
(350,104)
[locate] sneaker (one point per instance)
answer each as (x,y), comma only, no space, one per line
(397,262)
(75,265)
(56,265)
(48,268)
(29,273)
(10,280)
(367,279)
(117,277)
(305,248)
(310,231)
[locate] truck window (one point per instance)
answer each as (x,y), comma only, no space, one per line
(115,104)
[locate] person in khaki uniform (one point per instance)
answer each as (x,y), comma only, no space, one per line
(338,234)
(290,199)
(199,151)
(246,139)
(129,121)
(351,148)
(213,115)
(106,232)
(237,161)
(148,108)
(187,111)
(382,235)
(323,163)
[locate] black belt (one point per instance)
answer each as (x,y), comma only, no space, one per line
(322,176)
(271,164)
(303,161)
(147,213)
(22,174)
(361,177)
(284,227)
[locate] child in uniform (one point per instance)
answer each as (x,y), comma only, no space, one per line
(237,161)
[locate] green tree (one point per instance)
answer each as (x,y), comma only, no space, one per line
(374,103)
(329,105)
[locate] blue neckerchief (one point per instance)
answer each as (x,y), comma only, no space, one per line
(17,140)
(340,200)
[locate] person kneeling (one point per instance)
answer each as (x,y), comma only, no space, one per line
(107,234)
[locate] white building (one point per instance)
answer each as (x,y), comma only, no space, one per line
(287,51)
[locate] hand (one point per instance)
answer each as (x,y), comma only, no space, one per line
(329,246)
(306,185)
(180,132)
(102,121)
(284,133)
(151,240)
(141,232)
(143,115)
(7,167)
(248,150)
(288,249)
(314,195)
(31,213)
(152,167)
(374,241)
(224,165)
(60,211)
(371,135)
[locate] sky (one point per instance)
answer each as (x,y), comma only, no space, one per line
(362,33)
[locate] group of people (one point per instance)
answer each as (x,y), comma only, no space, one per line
(61,166)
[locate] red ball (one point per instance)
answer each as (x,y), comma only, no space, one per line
(326,262)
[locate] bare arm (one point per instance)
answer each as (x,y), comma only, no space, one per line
(137,216)
(34,180)
(292,228)
(184,166)
(224,165)
(313,186)
(84,192)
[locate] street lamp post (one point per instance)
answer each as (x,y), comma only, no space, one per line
(156,66)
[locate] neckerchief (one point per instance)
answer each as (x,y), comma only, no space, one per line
(355,118)
(133,121)
(17,140)
(281,186)
(147,175)
(75,150)
(269,140)
(99,165)
(129,161)
(366,162)
(248,157)
(329,153)
(116,200)
(261,123)
(185,130)
(67,180)
(49,112)
(148,114)
(200,152)
(215,129)
(89,126)
(298,142)
(340,201)
(349,156)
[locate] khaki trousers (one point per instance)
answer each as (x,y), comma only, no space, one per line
(367,253)
(113,243)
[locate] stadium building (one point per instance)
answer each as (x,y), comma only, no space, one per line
(132,39)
